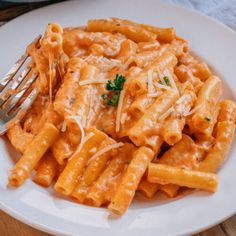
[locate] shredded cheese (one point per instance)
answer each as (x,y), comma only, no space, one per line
(166,114)
(78,122)
(162,86)
(119,110)
(86,138)
(115,61)
(186,110)
(192,111)
(92,81)
(150,82)
(152,95)
(104,150)
(182,98)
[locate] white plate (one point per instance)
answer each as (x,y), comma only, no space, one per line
(40,208)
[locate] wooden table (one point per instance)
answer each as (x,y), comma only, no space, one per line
(12,227)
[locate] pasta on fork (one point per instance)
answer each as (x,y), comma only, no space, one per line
(122,107)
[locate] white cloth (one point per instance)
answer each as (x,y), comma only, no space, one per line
(223,10)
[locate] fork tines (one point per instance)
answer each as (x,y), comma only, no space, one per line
(16,90)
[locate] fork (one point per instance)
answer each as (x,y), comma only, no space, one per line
(16,92)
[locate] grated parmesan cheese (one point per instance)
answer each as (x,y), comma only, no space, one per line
(166,114)
(92,81)
(152,95)
(104,150)
(192,111)
(182,98)
(78,122)
(150,82)
(162,86)
(119,110)
(86,138)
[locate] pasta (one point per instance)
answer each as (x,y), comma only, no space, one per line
(33,153)
(122,107)
(164,174)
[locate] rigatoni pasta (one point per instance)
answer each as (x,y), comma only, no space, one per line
(122,107)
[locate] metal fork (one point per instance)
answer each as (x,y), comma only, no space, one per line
(17,92)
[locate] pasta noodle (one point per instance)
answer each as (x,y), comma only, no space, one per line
(32,154)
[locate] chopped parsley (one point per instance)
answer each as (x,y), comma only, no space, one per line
(117,85)
(166,80)
(114,88)
(114,100)
(104,96)
(207,118)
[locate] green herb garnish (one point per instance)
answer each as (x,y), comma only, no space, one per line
(114,100)
(104,96)
(114,88)
(117,85)
(207,118)
(166,80)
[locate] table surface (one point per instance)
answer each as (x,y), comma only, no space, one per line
(11,227)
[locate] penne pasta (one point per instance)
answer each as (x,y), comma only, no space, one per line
(138,84)
(130,180)
(207,99)
(147,188)
(46,170)
(32,154)
(163,174)
(133,32)
(99,192)
(74,167)
(147,125)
